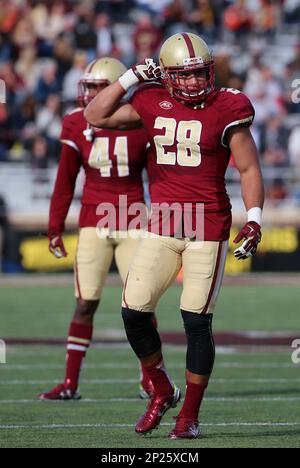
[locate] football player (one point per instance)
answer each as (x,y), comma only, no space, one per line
(193,129)
(113,162)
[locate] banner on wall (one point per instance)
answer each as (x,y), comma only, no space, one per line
(279,251)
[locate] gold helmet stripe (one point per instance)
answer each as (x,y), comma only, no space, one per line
(189,45)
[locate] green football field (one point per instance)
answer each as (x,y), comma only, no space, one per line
(253,399)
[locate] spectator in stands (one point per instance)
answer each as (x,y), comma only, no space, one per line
(265,93)
(6,132)
(238,21)
(3,228)
(146,37)
(13,82)
(27,67)
(175,17)
(84,33)
(105,40)
(153,7)
(48,122)
(54,22)
(292,11)
(117,10)
(276,192)
(274,141)
(9,16)
(24,119)
(203,19)
(63,54)
(48,82)
(266,19)
(223,68)
(5,47)
(39,153)
(72,77)
(23,35)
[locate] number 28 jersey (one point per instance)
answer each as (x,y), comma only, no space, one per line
(189,153)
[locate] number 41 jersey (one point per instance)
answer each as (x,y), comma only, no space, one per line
(113,160)
(189,153)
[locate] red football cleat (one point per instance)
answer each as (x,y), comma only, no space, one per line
(146,388)
(156,408)
(60,392)
(185,429)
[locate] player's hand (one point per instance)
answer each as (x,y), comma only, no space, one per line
(56,247)
(140,73)
(147,70)
(251,232)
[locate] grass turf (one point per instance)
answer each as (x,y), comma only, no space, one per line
(46,311)
(257,389)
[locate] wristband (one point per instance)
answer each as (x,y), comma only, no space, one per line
(128,79)
(255,214)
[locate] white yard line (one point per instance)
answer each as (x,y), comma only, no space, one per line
(136,400)
(227,365)
(135,381)
(112,426)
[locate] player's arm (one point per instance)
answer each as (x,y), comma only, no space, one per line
(62,197)
(106,109)
(245,153)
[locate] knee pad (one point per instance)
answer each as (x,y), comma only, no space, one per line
(200,343)
(141,332)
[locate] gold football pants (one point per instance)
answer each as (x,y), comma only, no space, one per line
(94,257)
(158,261)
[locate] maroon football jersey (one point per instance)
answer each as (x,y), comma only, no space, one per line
(113,161)
(189,155)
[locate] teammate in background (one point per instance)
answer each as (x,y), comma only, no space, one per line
(113,162)
(193,128)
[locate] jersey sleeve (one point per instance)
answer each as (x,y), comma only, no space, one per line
(68,169)
(69,133)
(239,112)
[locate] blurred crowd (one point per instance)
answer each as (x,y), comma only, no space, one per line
(46,45)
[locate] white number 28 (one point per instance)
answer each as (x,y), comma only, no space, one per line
(187,134)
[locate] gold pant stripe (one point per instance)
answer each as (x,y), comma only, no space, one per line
(220,275)
(74,339)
